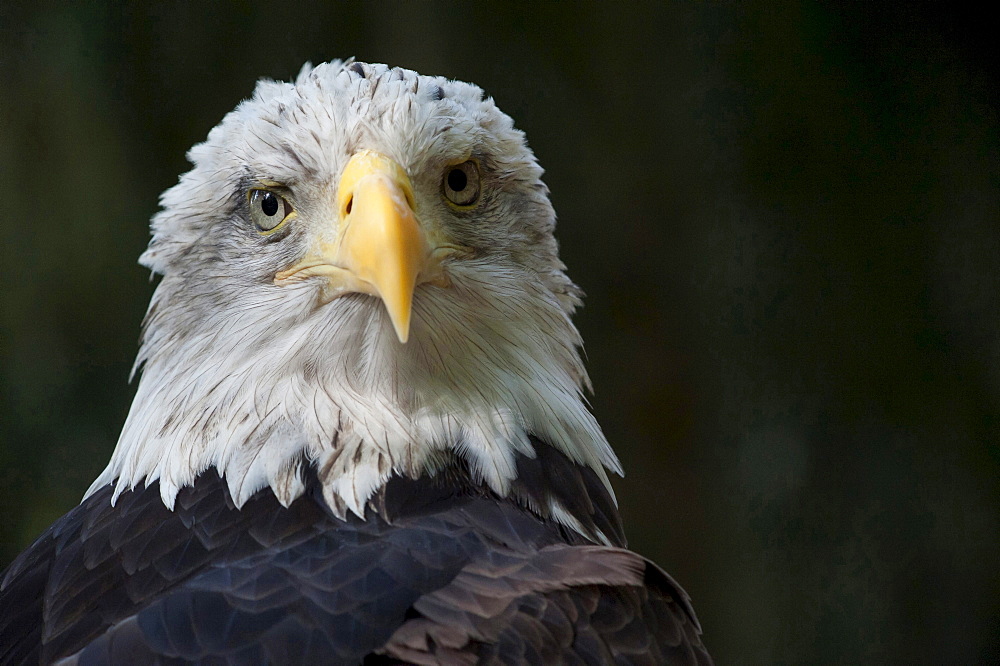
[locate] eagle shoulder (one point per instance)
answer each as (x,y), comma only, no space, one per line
(561,604)
(439,570)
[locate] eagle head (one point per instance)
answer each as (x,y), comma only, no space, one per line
(359,273)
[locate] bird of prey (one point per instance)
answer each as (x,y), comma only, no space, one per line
(360,434)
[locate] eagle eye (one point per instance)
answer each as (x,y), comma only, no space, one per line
(269,210)
(461,183)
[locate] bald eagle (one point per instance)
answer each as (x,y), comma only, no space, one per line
(359,434)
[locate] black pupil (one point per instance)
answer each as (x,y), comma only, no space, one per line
(269,204)
(457,180)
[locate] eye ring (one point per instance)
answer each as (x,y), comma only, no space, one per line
(461,184)
(269,211)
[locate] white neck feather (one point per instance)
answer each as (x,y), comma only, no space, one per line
(256,387)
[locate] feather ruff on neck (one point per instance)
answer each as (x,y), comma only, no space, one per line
(255,395)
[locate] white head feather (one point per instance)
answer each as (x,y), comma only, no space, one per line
(255,378)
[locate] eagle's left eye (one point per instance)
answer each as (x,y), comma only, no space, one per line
(461,183)
(268,210)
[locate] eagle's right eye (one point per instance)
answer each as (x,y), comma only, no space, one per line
(268,210)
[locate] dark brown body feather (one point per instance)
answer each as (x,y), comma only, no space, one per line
(440,571)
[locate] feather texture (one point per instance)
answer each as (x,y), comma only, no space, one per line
(441,570)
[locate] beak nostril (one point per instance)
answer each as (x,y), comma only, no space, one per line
(350,204)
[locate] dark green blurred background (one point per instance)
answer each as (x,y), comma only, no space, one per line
(786,217)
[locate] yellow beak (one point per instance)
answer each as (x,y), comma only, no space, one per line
(380,241)
(379,247)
